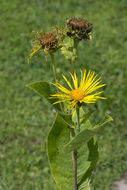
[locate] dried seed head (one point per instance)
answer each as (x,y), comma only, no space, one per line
(79,24)
(79,28)
(48,41)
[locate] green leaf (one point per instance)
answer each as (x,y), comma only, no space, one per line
(44,90)
(85,117)
(92,158)
(67,119)
(107,119)
(92,147)
(61,163)
(85,135)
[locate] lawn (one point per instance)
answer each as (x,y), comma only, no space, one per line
(25,118)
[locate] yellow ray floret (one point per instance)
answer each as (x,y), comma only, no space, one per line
(79,93)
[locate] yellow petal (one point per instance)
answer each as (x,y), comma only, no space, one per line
(95,87)
(61,88)
(69,84)
(61,95)
(75,82)
(59,101)
(82,79)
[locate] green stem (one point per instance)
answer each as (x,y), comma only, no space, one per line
(78,118)
(75,51)
(74,153)
(76,42)
(54,66)
(74,159)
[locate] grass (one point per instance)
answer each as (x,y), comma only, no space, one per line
(26,118)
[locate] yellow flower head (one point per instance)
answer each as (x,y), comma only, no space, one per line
(81,93)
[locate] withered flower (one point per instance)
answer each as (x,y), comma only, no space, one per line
(79,28)
(48,42)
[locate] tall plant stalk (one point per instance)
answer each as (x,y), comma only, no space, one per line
(74,153)
(63,145)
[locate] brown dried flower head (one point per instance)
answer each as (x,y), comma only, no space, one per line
(49,42)
(79,28)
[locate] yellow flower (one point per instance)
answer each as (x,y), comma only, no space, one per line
(79,93)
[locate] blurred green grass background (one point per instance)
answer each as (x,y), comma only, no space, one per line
(25,118)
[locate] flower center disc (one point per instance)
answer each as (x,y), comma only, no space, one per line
(77,94)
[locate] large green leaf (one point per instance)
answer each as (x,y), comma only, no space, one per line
(85,135)
(44,90)
(61,163)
